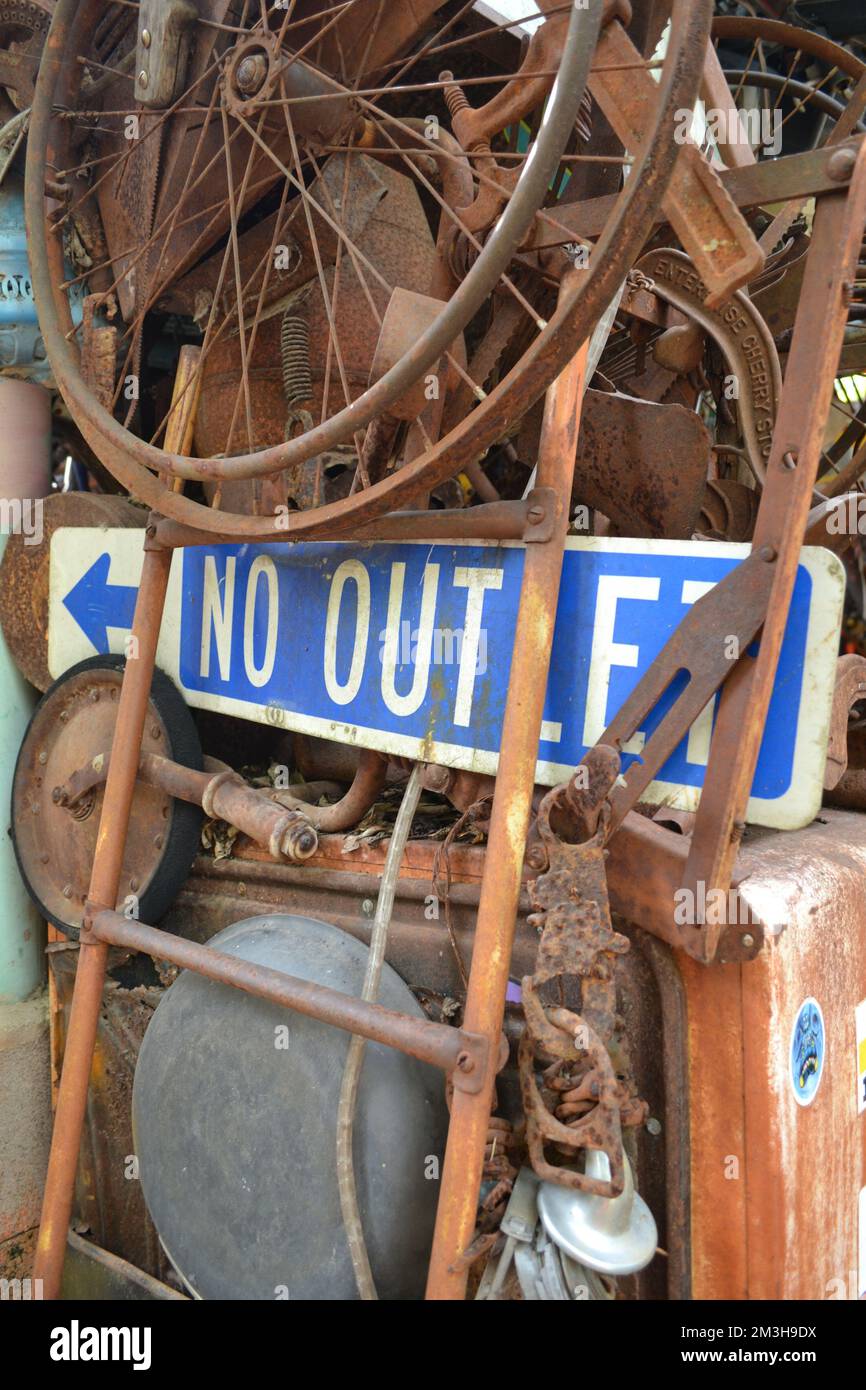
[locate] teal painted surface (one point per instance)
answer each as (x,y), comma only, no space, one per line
(22,934)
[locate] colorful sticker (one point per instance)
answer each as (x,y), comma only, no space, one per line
(860,1029)
(807,1051)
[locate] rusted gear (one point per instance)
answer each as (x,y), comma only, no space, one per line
(583,1100)
(23,30)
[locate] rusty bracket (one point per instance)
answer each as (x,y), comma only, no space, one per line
(741,333)
(734,609)
(470,1069)
(770,181)
(702,213)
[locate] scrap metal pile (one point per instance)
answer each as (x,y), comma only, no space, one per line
(446,273)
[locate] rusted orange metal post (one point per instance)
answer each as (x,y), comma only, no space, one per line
(509,824)
(104,882)
(792,469)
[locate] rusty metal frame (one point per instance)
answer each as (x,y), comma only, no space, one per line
(471,1055)
(792,469)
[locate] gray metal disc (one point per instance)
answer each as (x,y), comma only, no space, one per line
(613,1235)
(235,1129)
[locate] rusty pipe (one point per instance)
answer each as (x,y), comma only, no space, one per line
(104,882)
(219,791)
(437,1044)
(345,814)
(285,833)
(509,825)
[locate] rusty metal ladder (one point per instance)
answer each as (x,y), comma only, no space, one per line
(472,1054)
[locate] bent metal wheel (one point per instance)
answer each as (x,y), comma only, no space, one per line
(262,184)
(54,832)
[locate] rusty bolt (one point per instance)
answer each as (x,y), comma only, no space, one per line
(143,78)
(748,940)
(64,715)
(156,731)
(94,696)
(145,38)
(299,841)
(767,552)
(653,1125)
(251,73)
(67,890)
(59,796)
(535,514)
(44,858)
(840,165)
(43,757)
(157,840)
(133,884)
(465,1063)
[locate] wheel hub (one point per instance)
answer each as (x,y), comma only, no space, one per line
(55,832)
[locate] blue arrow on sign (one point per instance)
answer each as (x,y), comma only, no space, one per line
(97,605)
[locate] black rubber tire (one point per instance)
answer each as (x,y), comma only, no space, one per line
(183,832)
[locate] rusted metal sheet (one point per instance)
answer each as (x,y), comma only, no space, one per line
(776,1184)
(642,465)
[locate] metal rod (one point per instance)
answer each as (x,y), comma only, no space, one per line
(104,882)
(500,890)
(435,1043)
(502,520)
(355,1057)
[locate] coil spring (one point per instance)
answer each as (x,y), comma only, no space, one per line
(455,97)
(295,355)
(297,371)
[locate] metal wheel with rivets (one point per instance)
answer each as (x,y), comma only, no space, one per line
(54,834)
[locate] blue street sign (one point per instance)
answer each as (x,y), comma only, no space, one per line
(407,648)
